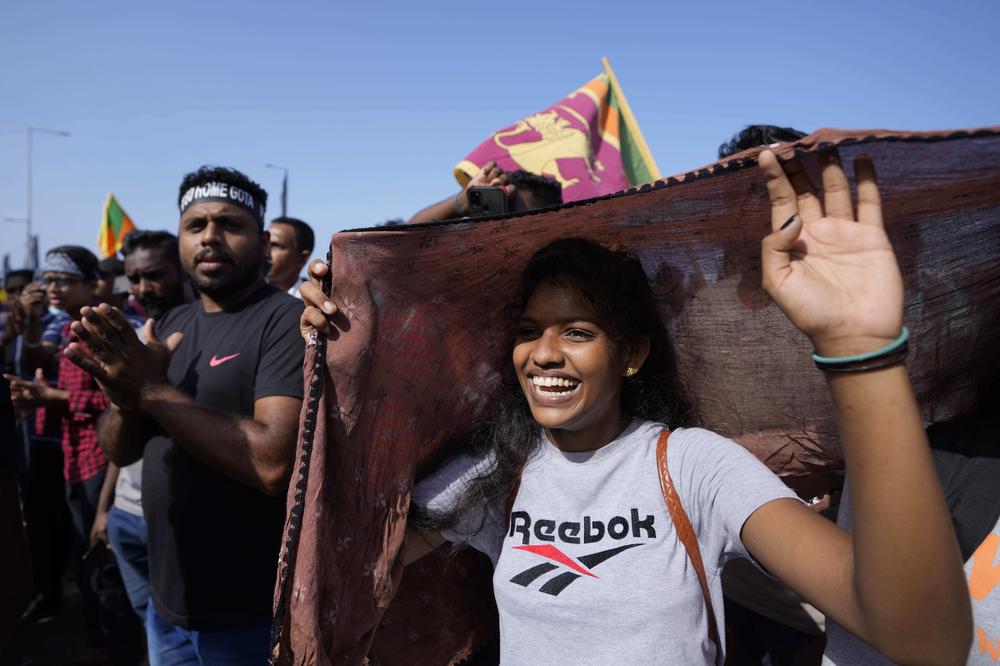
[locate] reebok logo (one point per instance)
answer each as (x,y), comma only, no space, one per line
(586,531)
(215,360)
(577,568)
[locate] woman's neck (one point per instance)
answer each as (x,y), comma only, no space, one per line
(588,439)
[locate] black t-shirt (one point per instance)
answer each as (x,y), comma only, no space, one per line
(967,459)
(213,542)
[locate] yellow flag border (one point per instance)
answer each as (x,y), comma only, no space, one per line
(630,121)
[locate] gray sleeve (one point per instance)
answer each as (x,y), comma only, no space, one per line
(443,489)
(720,484)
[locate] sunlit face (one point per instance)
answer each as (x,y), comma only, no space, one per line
(285,256)
(569,369)
(68,292)
(222,247)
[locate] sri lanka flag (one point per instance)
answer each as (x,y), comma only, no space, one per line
(114,227)
(590,142)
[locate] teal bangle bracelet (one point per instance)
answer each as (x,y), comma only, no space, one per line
(904,335)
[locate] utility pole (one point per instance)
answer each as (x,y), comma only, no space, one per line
(284,188)
(31,246)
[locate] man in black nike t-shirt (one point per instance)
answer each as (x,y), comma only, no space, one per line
(211,403)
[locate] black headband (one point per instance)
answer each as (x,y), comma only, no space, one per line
(225,193)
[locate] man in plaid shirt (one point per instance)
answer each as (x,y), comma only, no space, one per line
(84,403)
(70,276)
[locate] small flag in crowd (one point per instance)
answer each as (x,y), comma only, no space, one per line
(114,227)
(590,142)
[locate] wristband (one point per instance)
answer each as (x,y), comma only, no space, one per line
(893,353)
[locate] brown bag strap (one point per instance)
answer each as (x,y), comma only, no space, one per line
(682,524)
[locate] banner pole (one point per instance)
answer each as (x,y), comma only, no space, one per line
(630,121)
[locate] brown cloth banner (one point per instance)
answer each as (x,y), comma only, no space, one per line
(424,348)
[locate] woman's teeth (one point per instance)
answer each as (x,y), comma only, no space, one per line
(555,383)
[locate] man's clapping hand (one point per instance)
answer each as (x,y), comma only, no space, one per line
(118,361)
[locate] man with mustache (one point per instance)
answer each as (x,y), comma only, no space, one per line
(154,271)
(213,411)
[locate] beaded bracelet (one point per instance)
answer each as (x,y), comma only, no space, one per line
(891,354)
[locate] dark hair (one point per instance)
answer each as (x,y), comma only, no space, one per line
(82,257)
(142,239)
(392,222)
(210,174)
(25,273)
(548,190)
(752,136)
(304,237)
(616,288)
(112,266)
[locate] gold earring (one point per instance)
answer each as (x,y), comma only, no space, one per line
(631,372)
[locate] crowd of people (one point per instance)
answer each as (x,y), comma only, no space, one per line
(158,400)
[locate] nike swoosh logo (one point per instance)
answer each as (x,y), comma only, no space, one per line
(215,360)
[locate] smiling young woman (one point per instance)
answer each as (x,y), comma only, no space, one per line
(587,321)
(606,549)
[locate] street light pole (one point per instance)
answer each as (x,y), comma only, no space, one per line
(31,130)
(284,188)
(27,217)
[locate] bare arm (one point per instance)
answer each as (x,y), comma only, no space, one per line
(123,435)
(447,209)
(28,395)
(99,530)
(37,354)
(897,582)
(107,494)
(457,206)
(257,452)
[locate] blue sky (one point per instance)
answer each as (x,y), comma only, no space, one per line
(370,104)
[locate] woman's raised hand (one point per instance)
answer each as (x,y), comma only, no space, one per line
(316,317)
(833,274)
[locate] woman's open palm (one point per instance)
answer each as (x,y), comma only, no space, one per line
(833,274)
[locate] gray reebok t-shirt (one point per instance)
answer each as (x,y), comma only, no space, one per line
(591,570)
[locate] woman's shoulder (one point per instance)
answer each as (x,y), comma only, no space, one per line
(645,434)
(700,437)
(649,428)
(700,446)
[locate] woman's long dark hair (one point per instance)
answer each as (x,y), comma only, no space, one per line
(617,290)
